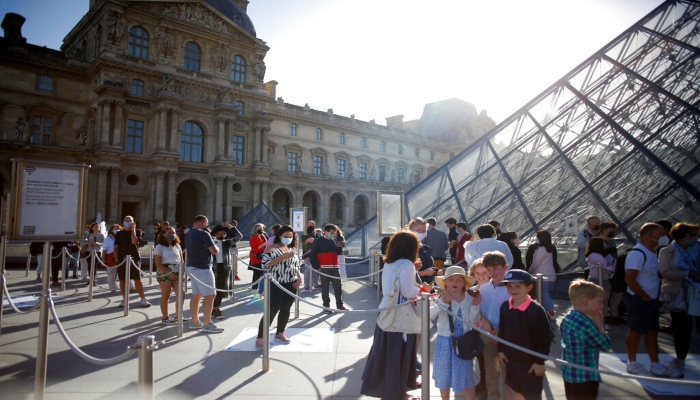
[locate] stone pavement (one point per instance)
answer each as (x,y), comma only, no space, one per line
(195,366)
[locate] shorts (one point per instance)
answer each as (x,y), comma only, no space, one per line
(134,273)
(642,316)
(526,383)
(202,281)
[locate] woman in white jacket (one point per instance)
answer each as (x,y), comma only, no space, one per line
(450,371)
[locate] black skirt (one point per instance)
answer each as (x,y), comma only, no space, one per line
(391,366)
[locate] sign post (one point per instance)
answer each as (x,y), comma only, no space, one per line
(391,212)
(298,222)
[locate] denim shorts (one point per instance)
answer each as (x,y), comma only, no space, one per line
(642,316)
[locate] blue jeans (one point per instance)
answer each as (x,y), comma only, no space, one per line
(547,302)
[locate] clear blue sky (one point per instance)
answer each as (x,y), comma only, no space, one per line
(378,58)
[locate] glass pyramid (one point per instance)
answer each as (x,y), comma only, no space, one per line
(260,214)
(618,137)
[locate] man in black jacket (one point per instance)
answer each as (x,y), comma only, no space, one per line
(225,237)
(324,258)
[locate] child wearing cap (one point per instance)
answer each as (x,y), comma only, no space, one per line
(449,370)
(583,336)
(525,323)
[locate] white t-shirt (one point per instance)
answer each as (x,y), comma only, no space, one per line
(648,277)
(169,254)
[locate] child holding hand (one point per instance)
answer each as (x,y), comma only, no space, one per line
(523,322)
(449,370)
(583,336)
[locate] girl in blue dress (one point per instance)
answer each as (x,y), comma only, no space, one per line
(450,371)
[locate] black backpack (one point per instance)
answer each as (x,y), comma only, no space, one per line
(617,281)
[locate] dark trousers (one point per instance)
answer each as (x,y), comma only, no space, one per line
(222,274)
(256,274)
(682,331)
(337,287)
(279,302)
(581,391)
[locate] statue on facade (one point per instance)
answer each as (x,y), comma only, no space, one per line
(115,27)
(220,57)
(328,168)
(19,130)
(411,178)
(224,96)
(373,174)
(80,136)
(259,68)
(165,43)
(393,175)
(350,172)
(169,84)
(300,163)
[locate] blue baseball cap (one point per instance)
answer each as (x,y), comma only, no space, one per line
(516,275)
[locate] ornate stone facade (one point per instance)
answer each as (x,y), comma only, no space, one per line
(166,102)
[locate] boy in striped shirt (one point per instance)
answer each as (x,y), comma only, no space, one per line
(583,336)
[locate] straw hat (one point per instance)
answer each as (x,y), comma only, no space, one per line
(469,281)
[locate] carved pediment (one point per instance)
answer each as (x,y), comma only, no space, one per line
(294,148)
(341,155)
(43,108)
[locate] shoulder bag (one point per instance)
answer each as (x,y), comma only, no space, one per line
(468,345)
(401,319)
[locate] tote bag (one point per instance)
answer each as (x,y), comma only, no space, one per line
(402,319)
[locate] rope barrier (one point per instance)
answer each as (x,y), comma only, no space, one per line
(318,272)
(130,350)
(146,275)
(12,304)
(108,266)
(76,259)
(564,362)
(336,310)
(578,271)
(358,262)
(212,287)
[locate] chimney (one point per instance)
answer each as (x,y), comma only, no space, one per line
(271,89)
(395,122)
(12,25)
(243,4)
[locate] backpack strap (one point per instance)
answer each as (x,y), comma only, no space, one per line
(452,324)
(639,250)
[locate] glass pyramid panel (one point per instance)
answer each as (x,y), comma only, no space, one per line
(617,137)
(260,214)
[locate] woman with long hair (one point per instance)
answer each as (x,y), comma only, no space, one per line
(110,259)
(257,247)
(94,245)
(391,363)
(540,259)
(167,257)
(284,266)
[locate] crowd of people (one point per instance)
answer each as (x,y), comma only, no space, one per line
(489,286)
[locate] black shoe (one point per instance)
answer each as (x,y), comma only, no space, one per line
(667,329)
(620,321)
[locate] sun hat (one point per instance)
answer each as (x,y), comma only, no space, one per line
(469,281)
(516,275)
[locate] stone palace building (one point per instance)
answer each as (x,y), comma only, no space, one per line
(168,103)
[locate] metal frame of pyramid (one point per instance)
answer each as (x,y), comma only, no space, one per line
(618,137)
(260,214)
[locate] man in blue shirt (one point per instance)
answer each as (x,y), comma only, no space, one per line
(200,248)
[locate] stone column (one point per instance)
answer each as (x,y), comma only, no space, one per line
(325,206)
(101,205)
(258,143)
(265,133)
(256,192)
(118,124)
(218,197)
(174,130)
(264,195)
(348,217)
(221,139)
(106,119)
(113,213)
(159,191)
(162,133)
(172,197)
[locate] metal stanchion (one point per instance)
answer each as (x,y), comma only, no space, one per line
(234,270)
(540,288)
(3,242)
(313,281)
(378,287)
(127,283)
(150,265)
(146,345)
(182,280)
(29,261)
(266,325)
(231,275)
(64,269)
(43,334)
(600,274)
(425,345)
(91,274)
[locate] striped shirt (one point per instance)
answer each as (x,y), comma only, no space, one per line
(581,342)
(284,271)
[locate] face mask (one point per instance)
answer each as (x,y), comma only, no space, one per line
(690,240)
(115,231)
(87,232)
(516,242)
(663,240)
(421,235)
(329,236)
(170,237)
(259,231)
(220,237)
(287,241)
(595,228)
(127,224)
(310,230)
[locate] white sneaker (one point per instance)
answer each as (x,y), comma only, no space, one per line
(145,303)
(121,303)
(659,369)
(635,368)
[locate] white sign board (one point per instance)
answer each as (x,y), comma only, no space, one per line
(391,212)
(47,201)
(298,219)
(570,227)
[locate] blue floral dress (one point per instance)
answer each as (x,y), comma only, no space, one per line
(450,371)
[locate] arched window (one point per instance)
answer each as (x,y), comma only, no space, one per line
(238,68)
(192,56)
(192,142)
(138,42)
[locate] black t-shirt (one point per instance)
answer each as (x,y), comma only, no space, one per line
(123,240)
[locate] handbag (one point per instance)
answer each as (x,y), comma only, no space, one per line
(672,303)
(468,345)
(402,319)
(693,299)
